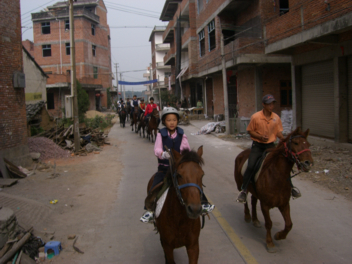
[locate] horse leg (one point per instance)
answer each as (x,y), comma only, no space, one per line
(193,254)
(270,246)
(169,254)
(247,214)
(255,220)
(285,211)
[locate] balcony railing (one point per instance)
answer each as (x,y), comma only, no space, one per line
(163,46)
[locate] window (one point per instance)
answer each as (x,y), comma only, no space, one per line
(46,50)
(67,24)
(95,72)
(283,7)
(68,48)
(48,72)
(46,28)
(285,93)
(229,36)
(68,72)
(211,33)
(201,43)
(93,29)
(200,5)
(50,100)
(93,50)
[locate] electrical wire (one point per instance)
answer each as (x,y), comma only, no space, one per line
(124,6)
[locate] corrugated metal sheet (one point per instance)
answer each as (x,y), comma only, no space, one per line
(318,98)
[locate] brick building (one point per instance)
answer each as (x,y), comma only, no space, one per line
(318,36)
(158,69)
(13,123)
(51,31)
(250,72)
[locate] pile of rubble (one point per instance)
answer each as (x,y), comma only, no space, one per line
(47,148)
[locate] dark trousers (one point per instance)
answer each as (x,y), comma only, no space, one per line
(257,151)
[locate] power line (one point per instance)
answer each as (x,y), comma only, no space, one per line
(38,7)
(132,12)
(130,47)
(111,3)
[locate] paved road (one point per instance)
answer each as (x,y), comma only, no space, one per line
(321,233)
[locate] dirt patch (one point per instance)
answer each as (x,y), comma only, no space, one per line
(47,148)
(93,113)
(332,166)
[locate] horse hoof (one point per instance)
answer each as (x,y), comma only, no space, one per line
(257,224)
(271,249)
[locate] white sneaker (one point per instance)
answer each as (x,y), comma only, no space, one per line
(207,208)
(147,217)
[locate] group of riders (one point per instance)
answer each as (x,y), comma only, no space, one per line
(144,110)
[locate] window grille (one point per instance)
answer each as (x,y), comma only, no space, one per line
(46,50)
(46,28)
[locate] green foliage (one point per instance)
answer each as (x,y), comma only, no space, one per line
(167,97)
(109,97)
(66,122)
(83,102)
(99,121)
(36,130)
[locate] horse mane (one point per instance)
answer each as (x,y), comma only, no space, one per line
(279,149)
(188,156)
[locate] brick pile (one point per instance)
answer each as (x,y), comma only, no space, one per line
(47,148)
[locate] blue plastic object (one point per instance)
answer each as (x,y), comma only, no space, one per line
(53,245)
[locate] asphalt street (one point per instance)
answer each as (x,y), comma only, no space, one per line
(321,233)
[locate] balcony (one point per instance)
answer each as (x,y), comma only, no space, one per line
(169,10)
(168,36)
(162,47)
(56,79)
(185,39)
(161,65)
(146,75)
(169,58)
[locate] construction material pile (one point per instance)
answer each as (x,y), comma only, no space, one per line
(47,148)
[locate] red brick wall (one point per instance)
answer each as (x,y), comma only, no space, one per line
(13,122)
(218,95)
(246,92)
(314,13)
(29,46)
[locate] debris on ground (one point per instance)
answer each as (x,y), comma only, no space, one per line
(47,148)
(218,127)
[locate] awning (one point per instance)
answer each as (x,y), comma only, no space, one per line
(182,72)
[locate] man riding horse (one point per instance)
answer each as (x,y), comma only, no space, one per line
(265,126)
(141,108)
(149,110)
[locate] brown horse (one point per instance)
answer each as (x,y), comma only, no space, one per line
(273,187)
(153,125)
(179,220)
(134,121)
(141,125)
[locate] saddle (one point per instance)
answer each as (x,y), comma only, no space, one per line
(156,193)
(257,169)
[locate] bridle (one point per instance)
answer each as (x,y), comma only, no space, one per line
(294,156)
(178,187)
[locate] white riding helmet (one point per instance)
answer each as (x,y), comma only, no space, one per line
(170,110)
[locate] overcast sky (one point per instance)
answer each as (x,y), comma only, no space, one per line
(129,47)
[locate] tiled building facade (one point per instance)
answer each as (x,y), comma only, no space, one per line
(51,50)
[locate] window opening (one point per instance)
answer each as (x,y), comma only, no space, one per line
(200,5)
(95,72)
(46,28)
(46,50)
(284,8)
(50,100)
(201,43)
(285,94)
(229,36)
(67,24)
(211,33)
(93,29)
(68,49)
(94,49)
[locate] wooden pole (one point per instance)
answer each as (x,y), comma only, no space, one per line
(15,248)
(224,83)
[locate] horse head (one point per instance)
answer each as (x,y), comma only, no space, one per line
(136,109)
(187,177)
(155,113)
(297,148)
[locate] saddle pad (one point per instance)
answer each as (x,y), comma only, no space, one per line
(160,203)
(245,165)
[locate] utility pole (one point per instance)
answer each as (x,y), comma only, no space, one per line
(121,84)
(73,82)
(224,83)
(117,80)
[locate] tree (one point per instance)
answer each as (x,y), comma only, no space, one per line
(83,102)
(167,97)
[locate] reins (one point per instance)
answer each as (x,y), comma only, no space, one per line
(293,156)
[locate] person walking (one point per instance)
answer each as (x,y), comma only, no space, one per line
(264,127)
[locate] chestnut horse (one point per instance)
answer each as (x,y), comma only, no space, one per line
(179,220)
(273,187)
(134,121)
(141,125)
(152,127)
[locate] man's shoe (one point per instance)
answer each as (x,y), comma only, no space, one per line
(147,217)
(295,193)
(207,208)
(242,197)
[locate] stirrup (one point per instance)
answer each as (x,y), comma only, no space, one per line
(242,197)
(147,217)
(295,193)
(207,208)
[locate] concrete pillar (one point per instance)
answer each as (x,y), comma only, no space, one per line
(258,88)
(296,77)
(340,99)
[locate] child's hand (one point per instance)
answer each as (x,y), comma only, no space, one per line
(165,155)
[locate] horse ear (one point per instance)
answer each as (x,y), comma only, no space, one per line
(176,155)
(200,151)
(306,133)
(298,130)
